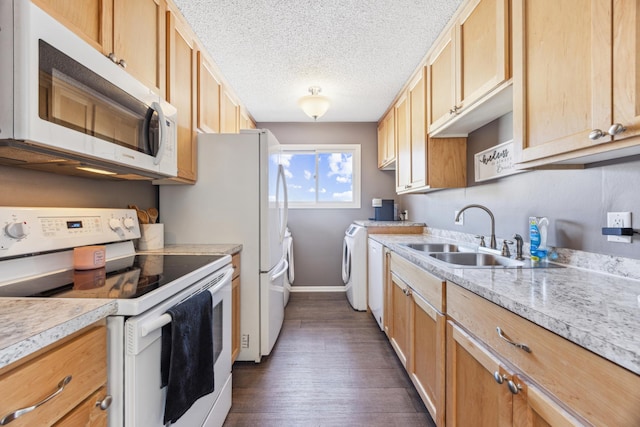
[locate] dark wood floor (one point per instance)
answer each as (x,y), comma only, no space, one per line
(331,366)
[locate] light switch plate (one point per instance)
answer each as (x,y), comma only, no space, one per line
(619,220)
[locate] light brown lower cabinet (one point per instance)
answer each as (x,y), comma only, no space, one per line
(417,330)
(235,307)
(82,360)
(544,380)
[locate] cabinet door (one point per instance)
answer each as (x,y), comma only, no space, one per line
(87,18)
(400,313)
(482,49)
(626,71)
(562,69)
(138,39)
(229,113)
(88,413)
(427,361)
(442,85)
(390,140)
(180,93)
(473,397)
(208,97)
(532,407)
(418,114)
(403,135)
(382,145)
(235,318)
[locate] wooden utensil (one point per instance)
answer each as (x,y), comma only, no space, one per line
(143,217)
(153,215)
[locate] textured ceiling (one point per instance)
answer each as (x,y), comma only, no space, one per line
(360,52)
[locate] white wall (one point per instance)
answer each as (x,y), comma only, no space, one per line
(318,233)
(575,201)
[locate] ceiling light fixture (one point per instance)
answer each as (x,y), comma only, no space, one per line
(314,105)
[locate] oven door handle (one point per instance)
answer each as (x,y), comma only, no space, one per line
(165,319)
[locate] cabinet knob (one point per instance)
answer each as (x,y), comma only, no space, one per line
(499,378)
(112,56)
(616,129)
(122,63)
(513,387)
(105,403)
(596,134)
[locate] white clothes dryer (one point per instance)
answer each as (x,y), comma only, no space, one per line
(354,266)
(289,276)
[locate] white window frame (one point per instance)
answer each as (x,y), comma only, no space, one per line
(355,151)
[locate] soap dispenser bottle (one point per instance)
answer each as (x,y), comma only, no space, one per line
(538,235)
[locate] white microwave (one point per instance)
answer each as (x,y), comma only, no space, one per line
(67,108)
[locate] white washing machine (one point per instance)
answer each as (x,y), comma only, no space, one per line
(290,274)
(354,266)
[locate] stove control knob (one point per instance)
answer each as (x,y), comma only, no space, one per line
(115,224)
(17,230)
(129,223)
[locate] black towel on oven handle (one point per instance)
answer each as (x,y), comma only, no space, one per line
(187,355)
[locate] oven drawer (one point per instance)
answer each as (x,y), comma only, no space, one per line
(84,358)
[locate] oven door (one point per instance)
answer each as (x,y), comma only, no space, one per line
(144,398)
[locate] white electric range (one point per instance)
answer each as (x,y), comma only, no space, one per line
(36,260)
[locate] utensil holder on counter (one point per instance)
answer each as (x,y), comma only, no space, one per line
(151,237)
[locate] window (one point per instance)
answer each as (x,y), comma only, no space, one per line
(322,176)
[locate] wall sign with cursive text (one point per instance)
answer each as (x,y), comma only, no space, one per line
(495,162)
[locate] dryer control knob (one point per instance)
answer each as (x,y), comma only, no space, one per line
(17,230)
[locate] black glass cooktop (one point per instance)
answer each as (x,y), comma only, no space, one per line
(123,278)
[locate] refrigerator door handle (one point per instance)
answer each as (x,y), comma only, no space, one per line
(285,209)
(284,266)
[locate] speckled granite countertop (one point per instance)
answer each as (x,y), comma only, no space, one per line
(29,324)
(371,223)
(198,249)
(597,311)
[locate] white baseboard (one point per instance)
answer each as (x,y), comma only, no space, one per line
(317,289)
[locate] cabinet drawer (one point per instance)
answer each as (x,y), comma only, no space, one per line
(431,288)
(235,263)
(598,390)
(84,358)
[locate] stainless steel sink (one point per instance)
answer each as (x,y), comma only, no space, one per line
(476,260)
(434,247)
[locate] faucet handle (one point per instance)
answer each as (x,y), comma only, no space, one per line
(482,244)
(505,248)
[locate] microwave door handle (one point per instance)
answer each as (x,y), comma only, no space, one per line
(162,125)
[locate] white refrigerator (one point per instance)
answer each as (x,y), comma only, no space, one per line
(240,197)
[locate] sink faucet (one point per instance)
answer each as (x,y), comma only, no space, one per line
(492,244)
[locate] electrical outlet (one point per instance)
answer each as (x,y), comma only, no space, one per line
(245,341)
(619,220)
(460,220)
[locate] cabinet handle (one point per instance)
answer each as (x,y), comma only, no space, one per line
(122,63)
(20,412)
(515,344)
(513,387)
(105,403)
(616,129)
(596,134)
(407,292)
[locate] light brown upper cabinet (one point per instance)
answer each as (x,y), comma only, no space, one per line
(181,53)
(229,113)
(469,70)
(208,96)
(576,80)
(245,120)
(424,163)
(131,33)
(387,142)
